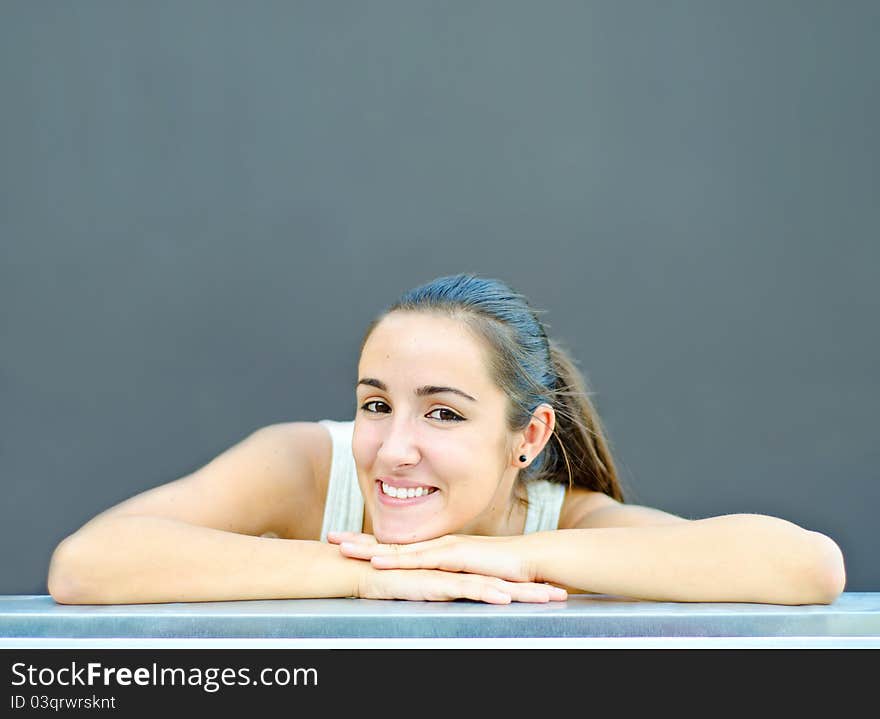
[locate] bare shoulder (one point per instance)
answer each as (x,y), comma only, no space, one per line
(303,438)
(585,509)
(579,503)
(266,484)
(311,440)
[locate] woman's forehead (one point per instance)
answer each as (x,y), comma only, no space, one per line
(427,350)
(422,332)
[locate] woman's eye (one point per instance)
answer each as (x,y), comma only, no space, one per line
(375,401)
(449,415)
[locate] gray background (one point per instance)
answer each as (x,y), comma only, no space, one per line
(205,203)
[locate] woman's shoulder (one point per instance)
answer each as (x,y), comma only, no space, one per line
(584,508)
(310,438)
(313,440)
(580,502)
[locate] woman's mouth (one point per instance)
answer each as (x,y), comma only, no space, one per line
(393,495)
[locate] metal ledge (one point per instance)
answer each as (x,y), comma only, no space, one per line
(583,620)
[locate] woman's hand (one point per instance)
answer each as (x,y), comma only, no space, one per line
(432,585)
(484,565)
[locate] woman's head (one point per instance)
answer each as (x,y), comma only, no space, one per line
(521,395)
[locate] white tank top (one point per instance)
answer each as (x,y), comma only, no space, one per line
(344,508)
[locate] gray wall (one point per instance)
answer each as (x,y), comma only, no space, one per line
(204,204)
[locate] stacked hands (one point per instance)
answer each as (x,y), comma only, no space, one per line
(484,569)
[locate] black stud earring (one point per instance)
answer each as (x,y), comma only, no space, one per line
(522,458)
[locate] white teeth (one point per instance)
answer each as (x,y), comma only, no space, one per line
(401,493)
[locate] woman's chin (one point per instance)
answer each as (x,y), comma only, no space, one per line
(401,536)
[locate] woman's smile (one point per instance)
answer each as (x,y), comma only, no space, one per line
(394,494)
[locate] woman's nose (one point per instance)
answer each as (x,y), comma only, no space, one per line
(399,445)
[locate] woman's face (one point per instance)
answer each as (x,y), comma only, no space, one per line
(412,437)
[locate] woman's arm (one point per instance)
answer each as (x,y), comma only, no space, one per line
(200,538)
(138,559)
(642,553)
(143,559)
(731,558)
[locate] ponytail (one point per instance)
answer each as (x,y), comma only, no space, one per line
(580,455)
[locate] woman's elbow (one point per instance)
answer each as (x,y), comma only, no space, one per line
(828,570)
(63,580)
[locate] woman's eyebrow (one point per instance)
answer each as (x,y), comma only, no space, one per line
(423,391)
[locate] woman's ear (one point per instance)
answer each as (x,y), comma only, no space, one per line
(535,435)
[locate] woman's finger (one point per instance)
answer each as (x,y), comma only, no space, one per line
(531,592)
(351,538)
(361,550)
(438,586)
(411,560)
(472,558)
(374,548)
(493,591)
(481,591)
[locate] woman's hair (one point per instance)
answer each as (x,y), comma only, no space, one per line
(530,369)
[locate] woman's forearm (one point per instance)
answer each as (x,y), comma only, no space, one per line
(141,559)
(732,558)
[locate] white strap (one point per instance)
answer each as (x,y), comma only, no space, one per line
(344,508)
(545,505)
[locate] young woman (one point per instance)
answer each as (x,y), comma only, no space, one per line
(475,468)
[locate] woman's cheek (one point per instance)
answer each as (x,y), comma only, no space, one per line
(363,449)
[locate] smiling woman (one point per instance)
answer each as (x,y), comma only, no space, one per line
(476,467)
